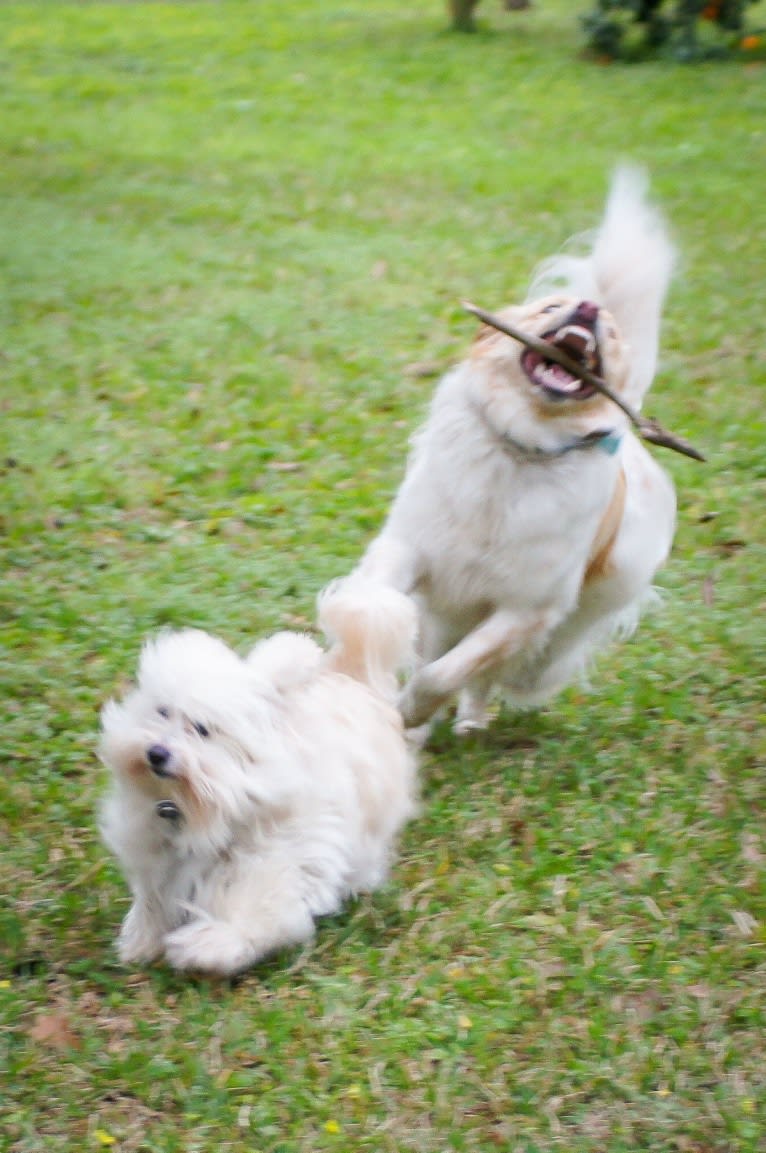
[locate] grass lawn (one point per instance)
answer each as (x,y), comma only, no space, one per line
(234,237)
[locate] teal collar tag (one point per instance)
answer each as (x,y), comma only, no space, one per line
(610,443)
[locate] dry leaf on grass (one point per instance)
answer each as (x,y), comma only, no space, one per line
(55,1031)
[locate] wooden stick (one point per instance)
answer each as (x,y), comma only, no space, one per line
(650,430)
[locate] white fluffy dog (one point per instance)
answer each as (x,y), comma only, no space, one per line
(251,796)
(531,520)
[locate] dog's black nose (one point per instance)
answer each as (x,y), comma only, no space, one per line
(158,757)
(585,314)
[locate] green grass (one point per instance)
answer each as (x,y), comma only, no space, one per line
(234,238)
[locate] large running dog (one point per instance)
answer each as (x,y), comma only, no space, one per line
(531,520)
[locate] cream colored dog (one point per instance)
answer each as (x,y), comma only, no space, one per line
(531,521)
(251,796)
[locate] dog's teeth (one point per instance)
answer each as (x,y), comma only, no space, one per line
(584,338)
(557,378)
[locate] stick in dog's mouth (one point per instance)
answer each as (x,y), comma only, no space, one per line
(649,429)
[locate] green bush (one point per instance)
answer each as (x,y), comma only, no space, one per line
(688,29)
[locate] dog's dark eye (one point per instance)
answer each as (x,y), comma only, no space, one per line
(164,713)
(550,308)
(200,729)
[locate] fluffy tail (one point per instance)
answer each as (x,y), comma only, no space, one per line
(627,270)
(371,629)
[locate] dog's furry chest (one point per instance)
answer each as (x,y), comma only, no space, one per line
(502,532)
(186,878)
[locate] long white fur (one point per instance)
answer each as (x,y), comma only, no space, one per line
(493,528)
(293,800)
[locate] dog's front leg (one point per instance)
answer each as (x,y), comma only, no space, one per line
(259,911)
(140,939)
(478,654)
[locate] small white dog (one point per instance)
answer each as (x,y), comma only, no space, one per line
(531,520)
(251,796)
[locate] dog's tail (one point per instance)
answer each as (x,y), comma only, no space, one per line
(371,629)
(627,270)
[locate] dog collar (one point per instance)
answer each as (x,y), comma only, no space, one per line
(607,440)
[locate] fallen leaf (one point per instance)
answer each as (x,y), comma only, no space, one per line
(55,1031)
(285,465)
(730,547)
(653,908)
(745,923)
(750,849)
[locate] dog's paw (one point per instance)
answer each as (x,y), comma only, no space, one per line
(464,726)
(209,947)
(418,702)
(474,713)
(416,738)
(140,939)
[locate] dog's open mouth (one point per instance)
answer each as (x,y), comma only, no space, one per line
(577,338)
